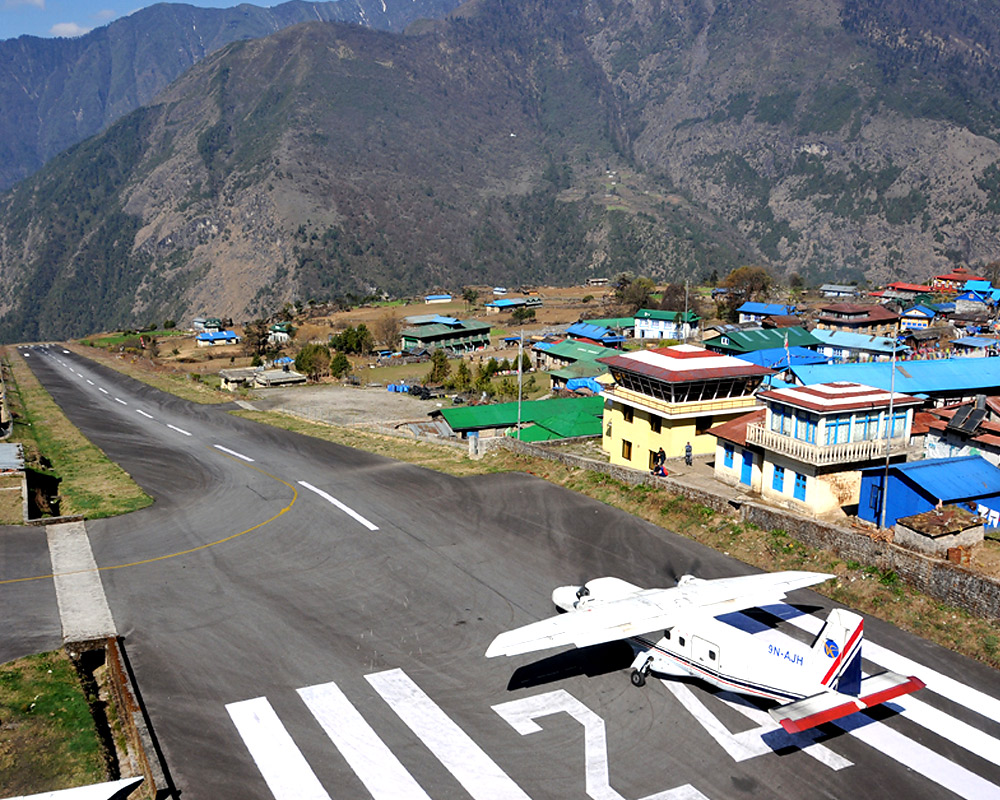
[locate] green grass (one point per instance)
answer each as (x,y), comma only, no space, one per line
(47,736)
(91,484)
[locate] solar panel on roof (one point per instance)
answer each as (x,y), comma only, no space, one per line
(957,422)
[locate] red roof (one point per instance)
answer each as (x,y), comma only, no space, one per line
(682,363)
(735,430)
(870,314)
(900,286)
(958,274)
(838,396)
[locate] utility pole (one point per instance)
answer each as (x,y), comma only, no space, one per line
(520,362)
(684,331)
(888,426)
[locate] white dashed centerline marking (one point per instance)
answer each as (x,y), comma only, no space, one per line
(232,452)
(102,389)
(346,509)
(119,400)
(90,381)
(140,411)
(179,430)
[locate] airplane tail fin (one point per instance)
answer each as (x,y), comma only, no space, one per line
(837,652)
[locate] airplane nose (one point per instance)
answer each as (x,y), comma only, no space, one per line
(565,597)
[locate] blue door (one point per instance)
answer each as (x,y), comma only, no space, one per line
(800,486)
(747,471)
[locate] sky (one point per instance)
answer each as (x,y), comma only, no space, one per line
(75,17)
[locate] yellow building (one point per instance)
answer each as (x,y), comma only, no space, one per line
(671,396)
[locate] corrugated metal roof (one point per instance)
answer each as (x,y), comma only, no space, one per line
(761,339)
(950,479)
(579,351)
(777,358)
(469,418)
(912,377)
(765,308)
(12,455)
(670,316)
(859,341)
(613,322)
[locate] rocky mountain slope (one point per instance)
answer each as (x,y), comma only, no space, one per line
(56,92)
(529,141)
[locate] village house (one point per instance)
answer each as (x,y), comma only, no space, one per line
(805,450)
(737,342)
(653,323)
(755,312)
(873,320)
(669,397)
(953,281)
(841,346)
(447,333)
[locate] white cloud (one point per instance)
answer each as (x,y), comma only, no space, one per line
(105,14)
(12,3)
(68,29)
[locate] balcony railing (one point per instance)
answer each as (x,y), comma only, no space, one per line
(667,409)
(822,455)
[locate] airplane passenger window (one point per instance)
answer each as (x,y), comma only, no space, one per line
(711,654)
(680,640)
(666,634)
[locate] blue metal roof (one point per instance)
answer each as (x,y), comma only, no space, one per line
(438,297)
(919,310)
(950,479)
(975,341)
(777,358)
(858,341)
(765,308)
(507,302)
(211,336)
(912,377)
(594,332)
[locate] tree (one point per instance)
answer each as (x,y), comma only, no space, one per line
(387,329)
(470,296)
(462,380)
(522,314)
(674,297)
(440,367)
(633,293)
(340,365)
(313,360)
(255,336)
(354,340)
(749,283)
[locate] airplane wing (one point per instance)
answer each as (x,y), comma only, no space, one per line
(620,616)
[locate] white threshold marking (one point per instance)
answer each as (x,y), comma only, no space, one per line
(285,770)
(90,381)
(373,762)
(179,430)
(119,400)
(102,389)
(461,756)
(232,452)
(346,509)
(140,411)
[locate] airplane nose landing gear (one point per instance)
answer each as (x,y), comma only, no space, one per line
(638,676)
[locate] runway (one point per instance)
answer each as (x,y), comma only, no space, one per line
(309,621)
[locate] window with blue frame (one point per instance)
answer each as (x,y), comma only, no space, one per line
(838,430)
(805,427)
(727,457)
(778,481)
(800,486)
(781,419)
(867,424)
(898,423)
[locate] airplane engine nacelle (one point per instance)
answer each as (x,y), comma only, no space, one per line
(566,598)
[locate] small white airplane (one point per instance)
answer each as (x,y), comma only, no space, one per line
(675,632)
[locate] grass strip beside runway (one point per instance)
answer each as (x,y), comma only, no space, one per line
(90,483)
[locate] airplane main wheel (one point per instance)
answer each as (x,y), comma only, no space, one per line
(638,678)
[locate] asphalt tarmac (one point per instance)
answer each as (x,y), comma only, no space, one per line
(327,640)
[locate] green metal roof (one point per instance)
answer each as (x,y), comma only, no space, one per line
(656,313)
(579,369)
(500,415)
(613,322)
(761,339)
(580,351)
(437,330)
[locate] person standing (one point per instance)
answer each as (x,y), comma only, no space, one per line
(688,453)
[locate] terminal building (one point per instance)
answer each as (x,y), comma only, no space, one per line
(671,396)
